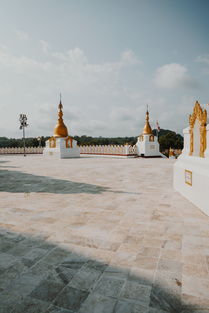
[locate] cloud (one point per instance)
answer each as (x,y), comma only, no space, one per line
(99,99)
(93,127)
(45,46)
(90,90)
(73,56)
(174,75)
(128,57)
(21,35)
(203,59)
(126,114)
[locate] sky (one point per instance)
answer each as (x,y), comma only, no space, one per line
(108,58)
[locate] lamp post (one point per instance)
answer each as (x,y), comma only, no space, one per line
(39,141)
(23,124)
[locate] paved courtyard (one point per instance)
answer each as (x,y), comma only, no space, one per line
(99,235)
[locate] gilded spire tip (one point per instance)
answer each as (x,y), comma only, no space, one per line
(60,104)
(147,128)
(60,129)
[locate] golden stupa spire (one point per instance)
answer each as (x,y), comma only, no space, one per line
(60,129)
(147,128)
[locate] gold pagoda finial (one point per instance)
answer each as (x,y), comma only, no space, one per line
(60,129)
(147,128)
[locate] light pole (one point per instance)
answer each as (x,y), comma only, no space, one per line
(23,124)
(39,141)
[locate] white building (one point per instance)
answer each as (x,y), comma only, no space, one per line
(191,170)
(61,144)
(147,144)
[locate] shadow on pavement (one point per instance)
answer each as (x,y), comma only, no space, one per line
(37,276)
(19,182)
(15,181)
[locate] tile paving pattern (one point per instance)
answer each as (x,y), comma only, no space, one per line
(99,235)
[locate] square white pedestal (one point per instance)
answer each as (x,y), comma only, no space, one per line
(61,151)
(191,179)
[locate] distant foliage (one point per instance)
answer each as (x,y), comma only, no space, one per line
(29,142)
(87,140)
(167,139)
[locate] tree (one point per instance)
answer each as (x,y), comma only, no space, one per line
(167,139)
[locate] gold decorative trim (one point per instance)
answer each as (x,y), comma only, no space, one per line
(188,177)
(200,115)
(69,142)
(52,142)
(141,138)
(151,138)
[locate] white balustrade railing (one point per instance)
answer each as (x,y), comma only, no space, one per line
(18,150)
(109,150)
(125,150)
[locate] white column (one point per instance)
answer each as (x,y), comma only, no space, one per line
(207,140)
(186,148)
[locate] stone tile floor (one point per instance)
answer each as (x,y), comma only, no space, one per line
(99,235)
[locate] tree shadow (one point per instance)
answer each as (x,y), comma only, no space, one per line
(37,276)
(20,182)
(15,182)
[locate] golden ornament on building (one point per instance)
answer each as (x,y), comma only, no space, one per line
(147,128)
(69,142)
(141,138)
(60,129)
(52,142)
(152,138)
(201,116)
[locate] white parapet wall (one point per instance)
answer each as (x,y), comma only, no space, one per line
(109,150)
(191,179)
(20,150)
(191,170)
(60,147)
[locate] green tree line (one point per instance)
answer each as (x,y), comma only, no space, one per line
(167,139)
(29,142)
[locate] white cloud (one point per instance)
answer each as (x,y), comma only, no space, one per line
(203,58)
(128,57)
(21,35)
(99,98)
(174,75)
(93,127)
(90,91)
(72,57)
(45,46)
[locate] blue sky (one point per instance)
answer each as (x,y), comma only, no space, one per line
(108,58)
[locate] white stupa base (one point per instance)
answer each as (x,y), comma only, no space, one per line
(147,148)
(61,151)
(191,179)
